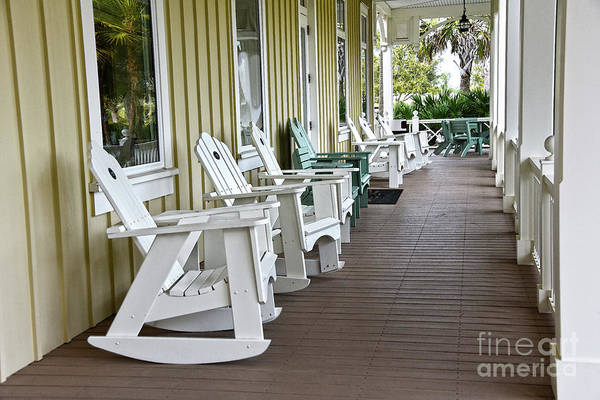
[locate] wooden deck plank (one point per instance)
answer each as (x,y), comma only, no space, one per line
(423,278)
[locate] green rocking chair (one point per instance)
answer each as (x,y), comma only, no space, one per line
(305,157)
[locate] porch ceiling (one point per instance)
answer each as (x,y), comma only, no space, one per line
(428,3)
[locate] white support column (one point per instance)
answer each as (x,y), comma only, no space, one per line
(500,103)
(577,202)
(493,74)
(513,99)
(536,108)
(386,65)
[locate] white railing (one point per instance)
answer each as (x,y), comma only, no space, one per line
(146,153)
(512,168)
(537,225)
(426,125)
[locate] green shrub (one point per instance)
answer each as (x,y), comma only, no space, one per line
(447,104)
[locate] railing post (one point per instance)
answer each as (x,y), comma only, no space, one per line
(500,160)
(415,122)
(545,287)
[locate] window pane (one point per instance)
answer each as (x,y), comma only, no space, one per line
(303,3)
(249,66)
(363,80)
(341,50)
(127,80)
(363,29)
(341,13)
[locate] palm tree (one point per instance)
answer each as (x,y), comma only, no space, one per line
(471,46)
(122,23)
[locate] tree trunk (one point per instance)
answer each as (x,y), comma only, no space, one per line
(465,82)
(132,70)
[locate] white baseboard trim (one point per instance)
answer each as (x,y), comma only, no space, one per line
(508,204)
(524,247)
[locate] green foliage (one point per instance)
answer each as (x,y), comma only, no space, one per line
(125,69)
(446,104)
(470,47)
(478,77)
(412,76)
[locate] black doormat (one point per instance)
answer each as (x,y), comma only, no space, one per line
(384,196)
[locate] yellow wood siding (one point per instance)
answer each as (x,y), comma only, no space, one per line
(327,58)
(60,274)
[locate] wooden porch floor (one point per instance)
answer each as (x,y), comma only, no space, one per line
(422,279)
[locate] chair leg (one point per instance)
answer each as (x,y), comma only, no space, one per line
(328,255)
(364,197)
(440,148)
(345,230)
(466,148)
(448,149)
(295,268)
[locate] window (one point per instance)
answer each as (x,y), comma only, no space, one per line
(249,69)
(364,60)
(342,61)
(128,90)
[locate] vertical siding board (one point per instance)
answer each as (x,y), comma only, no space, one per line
(99,269)
(34,109)
(192,109)
(69,169)
(16,325)
(122,266)
(294,42)
(203,89)
(224,32)
(214,67)
(192,62)
(179,100)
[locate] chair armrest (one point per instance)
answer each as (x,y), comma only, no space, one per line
(335,171)
(377,143)
(175,216)
(279,189)
(205,225)
(346,153)
(303,176)
(339,158)
(257,192)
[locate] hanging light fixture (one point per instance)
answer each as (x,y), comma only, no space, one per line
(464,24)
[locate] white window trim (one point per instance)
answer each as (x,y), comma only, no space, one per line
(150,181)
(311,17)
(342,34)
(364,12)
(248,156)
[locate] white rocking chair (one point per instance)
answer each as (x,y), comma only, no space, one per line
(321,193)
(172,292)
(297,234)
(416,145)
(387,159)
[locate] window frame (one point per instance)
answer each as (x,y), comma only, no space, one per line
(343,34)
(364,45)
(248,157)
(153,180)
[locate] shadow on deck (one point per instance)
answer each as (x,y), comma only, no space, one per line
(423,280)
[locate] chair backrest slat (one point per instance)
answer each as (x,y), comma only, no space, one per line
(366,129)
(301,137)
(385,126)
(217,161)
(355,134)
(260,141)
(121,195)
